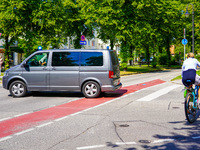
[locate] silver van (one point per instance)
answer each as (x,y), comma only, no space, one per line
(88,71)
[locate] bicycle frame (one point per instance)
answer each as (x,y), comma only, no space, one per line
(195,93)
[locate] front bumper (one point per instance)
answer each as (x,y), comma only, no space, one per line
(4,82)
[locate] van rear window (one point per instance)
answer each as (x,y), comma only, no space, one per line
(91,59)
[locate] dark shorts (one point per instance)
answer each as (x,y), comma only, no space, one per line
(189,75)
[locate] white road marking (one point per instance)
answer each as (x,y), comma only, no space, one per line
(91,147)
(25,131)
(126,143)
(5,119)
(45,124)
(59,119)
(163,140)
(5,138)
(22,114)
(159,93)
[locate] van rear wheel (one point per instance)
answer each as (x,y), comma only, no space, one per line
(91,89)
(18,89)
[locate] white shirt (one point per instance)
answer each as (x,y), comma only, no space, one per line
(190,63)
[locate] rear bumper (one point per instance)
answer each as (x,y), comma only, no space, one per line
(108,88)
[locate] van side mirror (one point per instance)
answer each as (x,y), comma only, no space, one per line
(24,65)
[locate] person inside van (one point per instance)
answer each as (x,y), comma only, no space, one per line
(43,60)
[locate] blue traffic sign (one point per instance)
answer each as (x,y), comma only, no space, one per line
(184,41)
(83,43)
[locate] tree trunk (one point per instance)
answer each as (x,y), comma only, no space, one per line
(147,54)
(111,44)
(7,52)
(168,53)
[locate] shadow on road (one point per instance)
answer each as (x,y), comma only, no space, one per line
(113,94)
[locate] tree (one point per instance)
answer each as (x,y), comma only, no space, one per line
(105,16)
(9,25)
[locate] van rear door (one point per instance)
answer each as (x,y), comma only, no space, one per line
(115,68)
(115,64)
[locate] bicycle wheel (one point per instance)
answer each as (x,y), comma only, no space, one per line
(190,111)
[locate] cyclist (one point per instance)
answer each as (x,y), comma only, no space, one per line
(189,71)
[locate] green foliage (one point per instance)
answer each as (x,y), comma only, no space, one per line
(162,59)
(146,27)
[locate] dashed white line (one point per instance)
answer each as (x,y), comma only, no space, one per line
(126,143)
(91,147)
(163,140)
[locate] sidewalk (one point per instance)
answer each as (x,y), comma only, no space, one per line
(177,82)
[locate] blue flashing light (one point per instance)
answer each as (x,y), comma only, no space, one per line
(39,48)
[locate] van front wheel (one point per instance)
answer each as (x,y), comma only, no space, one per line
(18,89)
(91,89)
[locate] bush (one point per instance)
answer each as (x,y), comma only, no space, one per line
(174,61)
(197,57)
(124,66)
(162,59)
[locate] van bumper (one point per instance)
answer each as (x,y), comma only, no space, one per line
(108,88)
(4,82)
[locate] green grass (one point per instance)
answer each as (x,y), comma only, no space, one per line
(144,69)
(177,78)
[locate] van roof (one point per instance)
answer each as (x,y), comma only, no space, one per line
(75,50)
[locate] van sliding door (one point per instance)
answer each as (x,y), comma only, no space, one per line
(64,73)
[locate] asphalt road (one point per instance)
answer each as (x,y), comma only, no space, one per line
(147,113)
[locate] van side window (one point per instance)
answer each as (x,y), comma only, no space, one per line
(91,59)
(38,60)
(65,59)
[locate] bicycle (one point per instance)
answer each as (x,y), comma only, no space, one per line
(191,102)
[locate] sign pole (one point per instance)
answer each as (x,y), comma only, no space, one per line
(184,44)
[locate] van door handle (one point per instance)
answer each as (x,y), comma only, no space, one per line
(53,68)
(45,69)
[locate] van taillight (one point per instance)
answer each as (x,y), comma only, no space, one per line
(111,74)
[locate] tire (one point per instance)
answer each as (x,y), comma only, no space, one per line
(18,89)
(91,89)
(190,112)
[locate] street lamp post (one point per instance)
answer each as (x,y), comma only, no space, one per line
(187,15)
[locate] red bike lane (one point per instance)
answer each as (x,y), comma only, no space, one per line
(21,123)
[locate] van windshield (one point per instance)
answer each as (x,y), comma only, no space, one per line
(114,58)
